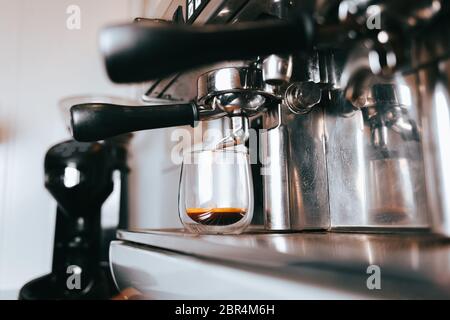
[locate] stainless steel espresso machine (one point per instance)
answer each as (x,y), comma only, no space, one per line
(350,102)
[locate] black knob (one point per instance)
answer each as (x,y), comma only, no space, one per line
(148,50)
(99,121)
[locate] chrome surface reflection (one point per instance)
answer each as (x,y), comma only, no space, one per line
(413,265)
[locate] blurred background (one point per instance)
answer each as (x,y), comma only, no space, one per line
(41,62)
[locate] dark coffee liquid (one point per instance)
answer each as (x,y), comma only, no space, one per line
(216,216)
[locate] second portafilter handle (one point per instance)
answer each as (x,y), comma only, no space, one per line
(148,50)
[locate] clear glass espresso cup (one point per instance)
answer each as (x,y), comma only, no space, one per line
(216,191)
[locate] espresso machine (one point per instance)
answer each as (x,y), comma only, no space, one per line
(350,102)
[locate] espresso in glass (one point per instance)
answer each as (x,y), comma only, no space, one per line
(216,216)
(216,192)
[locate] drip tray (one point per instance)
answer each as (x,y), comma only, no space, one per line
(409,265)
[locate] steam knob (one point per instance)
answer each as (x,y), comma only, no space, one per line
(301,97)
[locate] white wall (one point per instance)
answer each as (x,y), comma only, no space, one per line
(41,61)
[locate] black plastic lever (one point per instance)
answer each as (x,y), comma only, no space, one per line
(149,50)
(99,121)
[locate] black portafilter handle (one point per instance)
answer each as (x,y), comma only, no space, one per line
(148,50)
(98,121)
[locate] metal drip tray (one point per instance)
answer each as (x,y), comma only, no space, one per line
(336,264)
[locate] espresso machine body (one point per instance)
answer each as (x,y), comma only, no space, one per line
(333,165)
(352,129)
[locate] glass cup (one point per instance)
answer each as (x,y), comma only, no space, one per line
(216,191)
